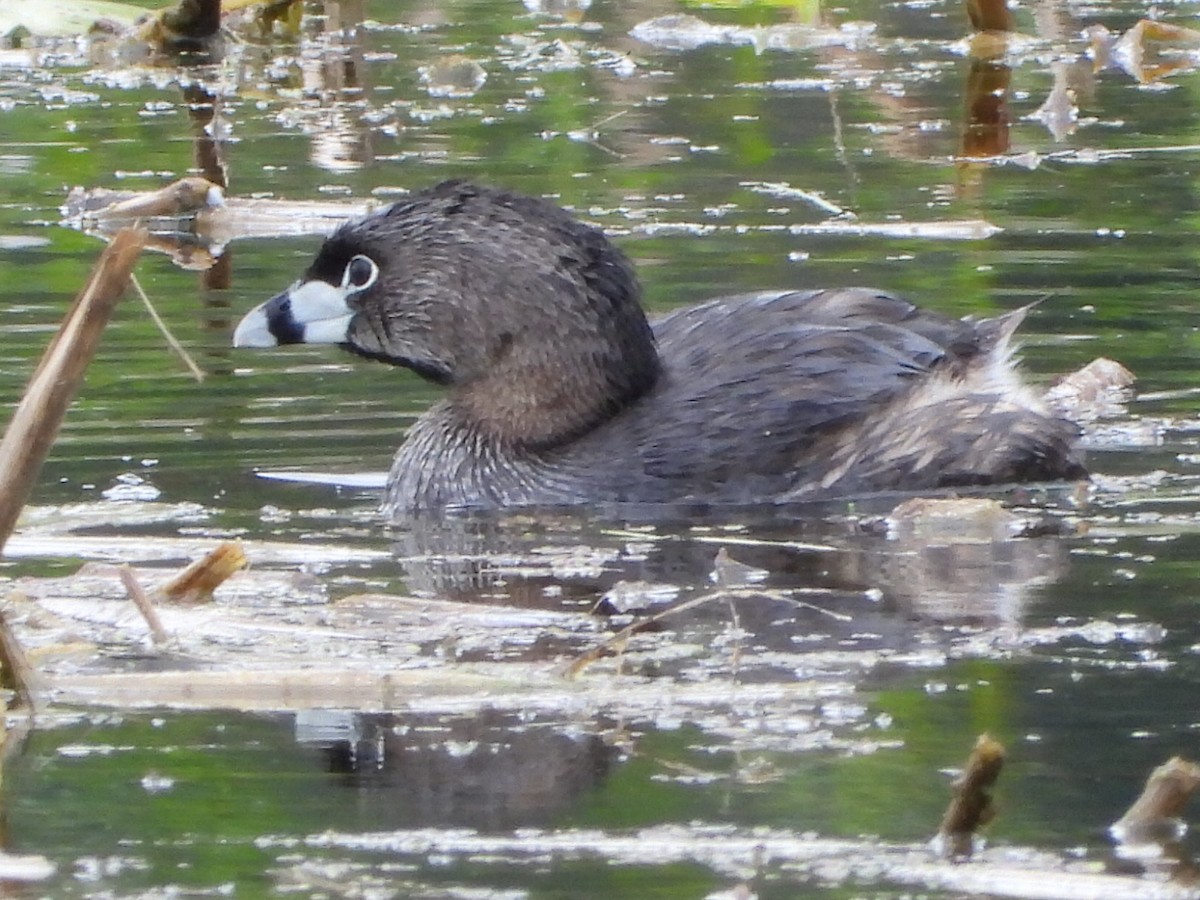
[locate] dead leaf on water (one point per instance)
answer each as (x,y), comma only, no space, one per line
(1149,51)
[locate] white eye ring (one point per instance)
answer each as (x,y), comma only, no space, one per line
(358,278)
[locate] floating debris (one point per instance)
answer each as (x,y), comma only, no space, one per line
(1101,388)
(196,583)
(1059,112)
(572,10)
(131,488)
(192,219)
(785,191)
(636,596)
(680,31)
(958,519)
(453,76)
(971,807)
(947,230)
(728,572)
(792,858)
(1155,817)
(27,867)
(1149,51)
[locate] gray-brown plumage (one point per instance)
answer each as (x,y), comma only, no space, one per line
(560,392)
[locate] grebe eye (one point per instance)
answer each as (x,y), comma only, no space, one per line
(360,273)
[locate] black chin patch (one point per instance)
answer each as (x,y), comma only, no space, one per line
(427,369)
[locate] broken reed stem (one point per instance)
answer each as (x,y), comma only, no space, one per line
(38,417)
(16,671)
(137,594)
(971,806)
(196,583)
(174,344)
(1162,802)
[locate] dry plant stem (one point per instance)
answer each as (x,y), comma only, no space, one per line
(133,587)
(179,349)
(735,621)
(179,199)
(1165,796)
(971,806)
(38,417)
(196,583)
(618,642)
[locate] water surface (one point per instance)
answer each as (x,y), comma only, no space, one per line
(758,159)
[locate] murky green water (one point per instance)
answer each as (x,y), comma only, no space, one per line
(714,165)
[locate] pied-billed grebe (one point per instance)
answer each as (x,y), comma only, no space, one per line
(561,392)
